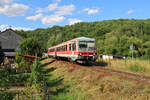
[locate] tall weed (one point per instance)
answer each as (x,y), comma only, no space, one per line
(137,68)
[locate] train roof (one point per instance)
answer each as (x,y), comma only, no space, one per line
(79,38)
(85,39)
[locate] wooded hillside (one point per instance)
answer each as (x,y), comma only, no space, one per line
(113,36)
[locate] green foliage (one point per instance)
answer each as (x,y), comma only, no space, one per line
(36,76)
(7,95)
(5,82)
(5,77)
(21,64)
(112,36)
(31,46)
(137,68)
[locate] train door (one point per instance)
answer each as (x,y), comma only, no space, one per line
(70,48)
(55,52)
(73,48)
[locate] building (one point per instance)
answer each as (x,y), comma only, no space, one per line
(10,41)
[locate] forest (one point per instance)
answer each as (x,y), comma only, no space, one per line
(113,36)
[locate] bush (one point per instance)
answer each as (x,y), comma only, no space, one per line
(31,46)
(21,64)
(7,95)
(137,68)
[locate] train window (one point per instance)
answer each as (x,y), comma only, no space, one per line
(58,49)
(52,50)
(74,46)
(65,47)
(69,47)
(62,48)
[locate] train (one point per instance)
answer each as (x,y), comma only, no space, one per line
(81,49)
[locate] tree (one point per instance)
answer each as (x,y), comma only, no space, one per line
(31,46)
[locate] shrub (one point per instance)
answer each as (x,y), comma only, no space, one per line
(7,95)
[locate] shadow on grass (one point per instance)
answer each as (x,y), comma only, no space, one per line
(57,84)
(101,63)
(43,65)
(58,91)
(54,82)
(90,64)
(43,58)
(45,71)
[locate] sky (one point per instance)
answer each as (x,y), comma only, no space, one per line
(33,14)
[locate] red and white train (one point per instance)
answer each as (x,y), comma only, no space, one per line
(80,49)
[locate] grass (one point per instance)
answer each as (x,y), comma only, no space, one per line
(136,65)
(85,84)
(137,68)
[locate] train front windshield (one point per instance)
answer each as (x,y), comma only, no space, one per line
(88,46)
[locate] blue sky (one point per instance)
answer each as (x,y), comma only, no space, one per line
(32,14)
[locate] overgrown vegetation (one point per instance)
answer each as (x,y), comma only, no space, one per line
(137,68)
(31,46)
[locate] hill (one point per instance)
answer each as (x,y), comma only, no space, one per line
(113,36)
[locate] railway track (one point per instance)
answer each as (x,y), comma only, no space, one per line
(139,78)
(136,77)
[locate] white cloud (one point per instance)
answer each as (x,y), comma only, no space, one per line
(53,19)
(73,21)
(9,8)
(130,11)
(5,2)
(22,28)
(58,15)
(34,18)
(39,10)
(4,27)
(65,10)
(91,11)
(50,7)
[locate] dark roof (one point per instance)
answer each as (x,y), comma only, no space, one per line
(10,39)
